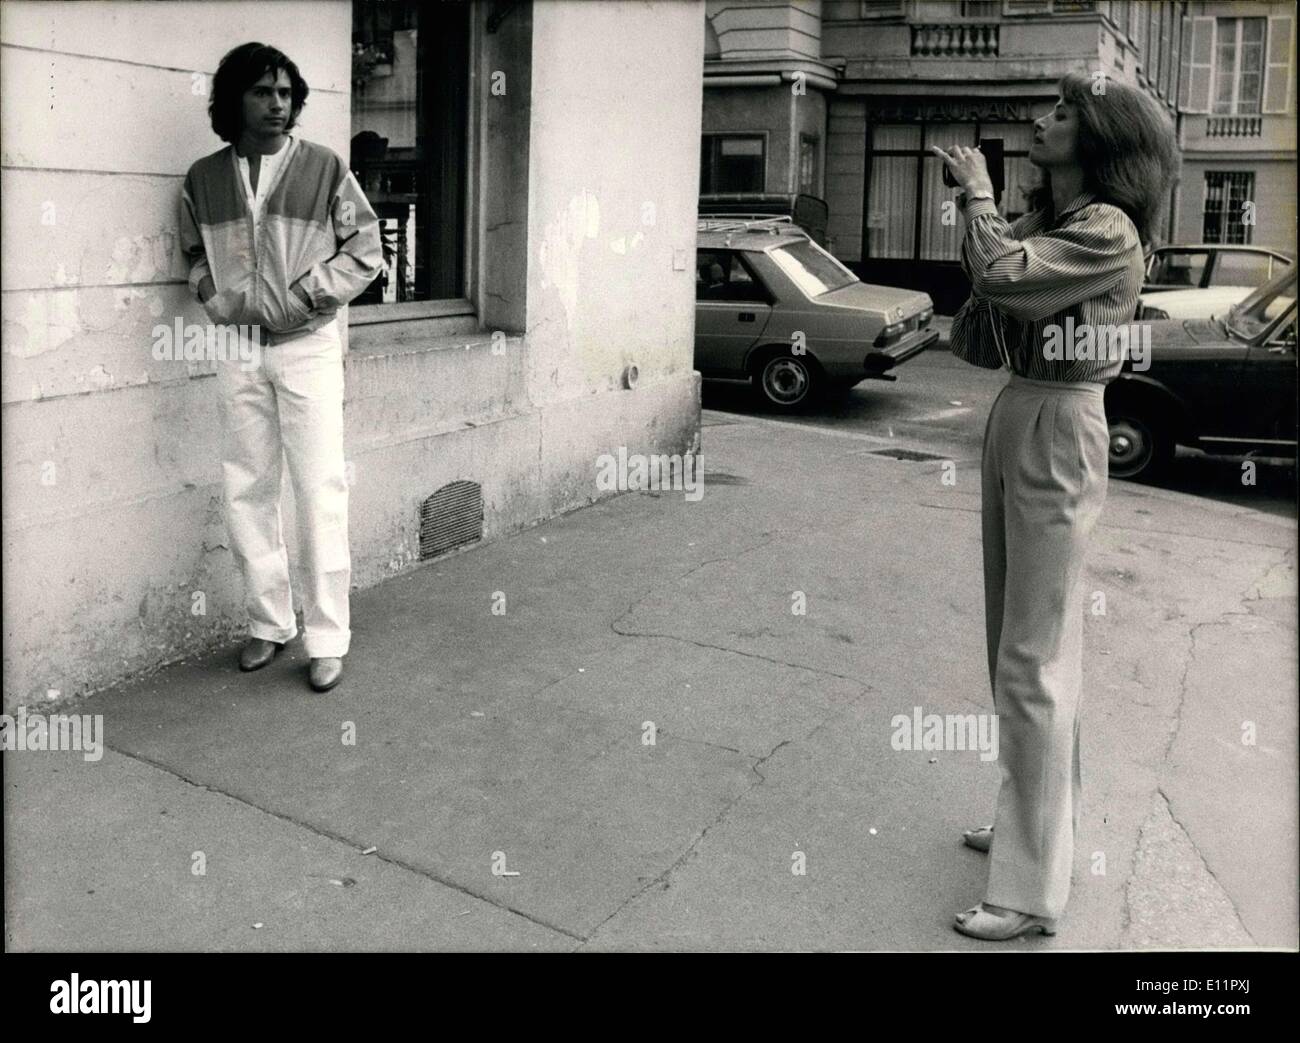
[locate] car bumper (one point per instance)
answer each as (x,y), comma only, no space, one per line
(879,360)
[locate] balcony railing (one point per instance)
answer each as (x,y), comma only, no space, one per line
(954,41)
(1233,126)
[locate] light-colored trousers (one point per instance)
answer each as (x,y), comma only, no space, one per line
(288,405)
(1044,484)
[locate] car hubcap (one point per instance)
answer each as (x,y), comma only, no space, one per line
(1130,447)
(785,381)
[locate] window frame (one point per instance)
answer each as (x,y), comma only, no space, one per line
(1248,179)
(733,256)
(713,137)
(460,195)
(1234,107)
(811,142)
(872,10)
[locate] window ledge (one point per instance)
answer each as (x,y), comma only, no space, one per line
(418,341)
(373,314)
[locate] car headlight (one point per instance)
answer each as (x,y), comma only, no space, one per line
(924,317)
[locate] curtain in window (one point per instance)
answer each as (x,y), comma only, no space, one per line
(1021,175)
(891,203)
(941,242)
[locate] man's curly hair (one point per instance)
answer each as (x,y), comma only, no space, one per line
(239,70)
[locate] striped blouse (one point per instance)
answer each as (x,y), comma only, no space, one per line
(1062,294)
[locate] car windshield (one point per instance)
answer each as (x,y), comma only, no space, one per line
(811,268)
(1258,311)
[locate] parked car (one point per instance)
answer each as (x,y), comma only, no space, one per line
(1205,280)
(774,307)
(1222,385)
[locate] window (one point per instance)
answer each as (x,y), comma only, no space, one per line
(881,8)
(1119,15)
(1166,84)
(1177,268)
(811,268)
(986,10)
(720,275)
(1238,65)
(1253,315)
(1225,194)
(1151,62)
(732,163)
(1241,268)
(808,164)
(410,71)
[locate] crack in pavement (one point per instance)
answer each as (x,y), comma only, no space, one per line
(751,655)
(636,602)
(1169,807)
(353,845)
(1192,536)
(1176,727)
(663,878)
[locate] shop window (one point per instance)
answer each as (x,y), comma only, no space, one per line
(732,163)
(1226,193)
(410,72)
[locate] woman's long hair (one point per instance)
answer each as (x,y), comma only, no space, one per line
(1126,147)
(239,70)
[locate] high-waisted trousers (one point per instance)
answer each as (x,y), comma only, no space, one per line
(1044,476)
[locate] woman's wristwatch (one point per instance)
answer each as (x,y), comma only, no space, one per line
(963,199)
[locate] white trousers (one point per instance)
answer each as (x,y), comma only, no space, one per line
(285,406)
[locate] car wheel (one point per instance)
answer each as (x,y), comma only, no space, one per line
(1139,447)
(785,381)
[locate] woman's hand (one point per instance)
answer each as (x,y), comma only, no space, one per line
(968,167)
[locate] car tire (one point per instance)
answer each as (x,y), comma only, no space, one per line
(1140,445)
(786,382)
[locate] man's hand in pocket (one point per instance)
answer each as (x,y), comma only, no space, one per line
(301,294)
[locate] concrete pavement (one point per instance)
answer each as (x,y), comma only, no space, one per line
(520,740)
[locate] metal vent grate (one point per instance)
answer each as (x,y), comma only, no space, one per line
(450,518)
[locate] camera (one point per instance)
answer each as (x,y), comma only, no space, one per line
(992,149)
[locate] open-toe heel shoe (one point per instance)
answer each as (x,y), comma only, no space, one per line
(995,927)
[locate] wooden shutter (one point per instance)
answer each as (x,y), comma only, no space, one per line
(1278,64)
(1197,63)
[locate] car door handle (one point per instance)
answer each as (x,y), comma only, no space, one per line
(745,316)
(1281,349)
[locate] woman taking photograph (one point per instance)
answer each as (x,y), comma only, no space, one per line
(1107,155)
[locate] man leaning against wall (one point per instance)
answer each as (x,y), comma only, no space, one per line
(279,236)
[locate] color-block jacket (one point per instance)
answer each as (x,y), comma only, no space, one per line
(316,230)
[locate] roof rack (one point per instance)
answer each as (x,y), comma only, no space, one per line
(769,223)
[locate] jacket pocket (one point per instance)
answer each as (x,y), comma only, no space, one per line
(287,313)
(223,307)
